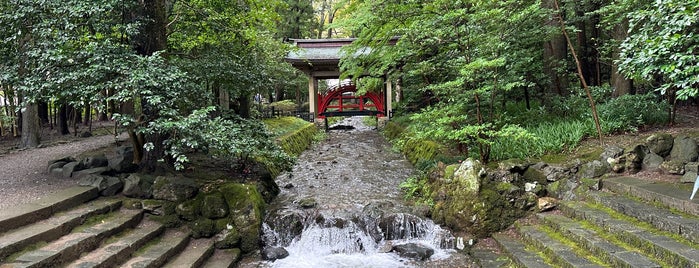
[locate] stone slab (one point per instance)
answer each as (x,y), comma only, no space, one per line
(223,258)
(116,252)
(157,254)
(14,217)
(52,228)
(518,253)
(673,195)
(194,254)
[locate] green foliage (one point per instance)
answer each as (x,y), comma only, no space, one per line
(417,188)
(285,105)
(240,141)
(628,112)
(662,45)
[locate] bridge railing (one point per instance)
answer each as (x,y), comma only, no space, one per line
(271,112)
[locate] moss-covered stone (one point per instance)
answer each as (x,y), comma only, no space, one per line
(228,238)
(158,207)
(190,209)
(203,228)
(246,207)
(214,206)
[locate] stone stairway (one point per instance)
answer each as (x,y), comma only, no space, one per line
(630,223)
(73,228)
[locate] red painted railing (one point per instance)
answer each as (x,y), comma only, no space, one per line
(342,100)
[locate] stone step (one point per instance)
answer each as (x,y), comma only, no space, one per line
(518,254)
(488,258)
(53,228)
(121,248)
(672,195)
(661,245)
(15,217)
(561,254)
(223,258)
(681,224)
(159,251)
(592,241)
(82,239)
(193,255)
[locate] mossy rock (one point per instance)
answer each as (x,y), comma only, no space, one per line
(158,207)
(246,207)
(213,206)
(190,209)
(228,238)
(203,228)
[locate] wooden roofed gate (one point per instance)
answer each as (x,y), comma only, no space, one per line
(319,59)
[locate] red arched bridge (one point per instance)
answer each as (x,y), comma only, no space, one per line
(342,100)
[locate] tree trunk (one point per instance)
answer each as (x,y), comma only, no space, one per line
(244,105)
(152,38)
(555,53)
(621,85)
(31,126)
(43,112)
(63,120)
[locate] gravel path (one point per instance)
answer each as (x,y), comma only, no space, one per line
(23,174)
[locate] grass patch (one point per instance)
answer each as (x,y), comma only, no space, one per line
(284,125)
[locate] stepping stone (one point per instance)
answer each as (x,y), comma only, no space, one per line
(223,258)
(599,246)
(194,255)
(561,253)
(662,247)
(121,249)
(52,228)
(70,246)
(160,250)
(15,217)
(518,253)
(684,225)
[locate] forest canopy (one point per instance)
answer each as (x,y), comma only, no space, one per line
(494,78)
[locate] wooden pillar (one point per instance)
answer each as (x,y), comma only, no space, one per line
(313,95)
(389,97)
(224,99)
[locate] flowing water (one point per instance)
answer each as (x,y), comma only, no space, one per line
(341,206)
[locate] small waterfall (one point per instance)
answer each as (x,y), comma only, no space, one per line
(362,241)
(341,206)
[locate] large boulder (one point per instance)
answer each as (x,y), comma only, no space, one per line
(107,185)
(174,188)
(95,161)
(138,186)
(684,149)
(246,208)
(69,168)
(634,158)
(214,206)
(593,169)
(652,161)
(660,144)
(228,238)
(121,160)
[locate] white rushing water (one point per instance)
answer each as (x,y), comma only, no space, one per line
(358,214)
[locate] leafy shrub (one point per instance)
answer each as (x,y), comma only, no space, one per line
(628,112)
(284,105)
(229,137)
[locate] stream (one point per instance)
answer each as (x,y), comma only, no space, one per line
(341,206)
